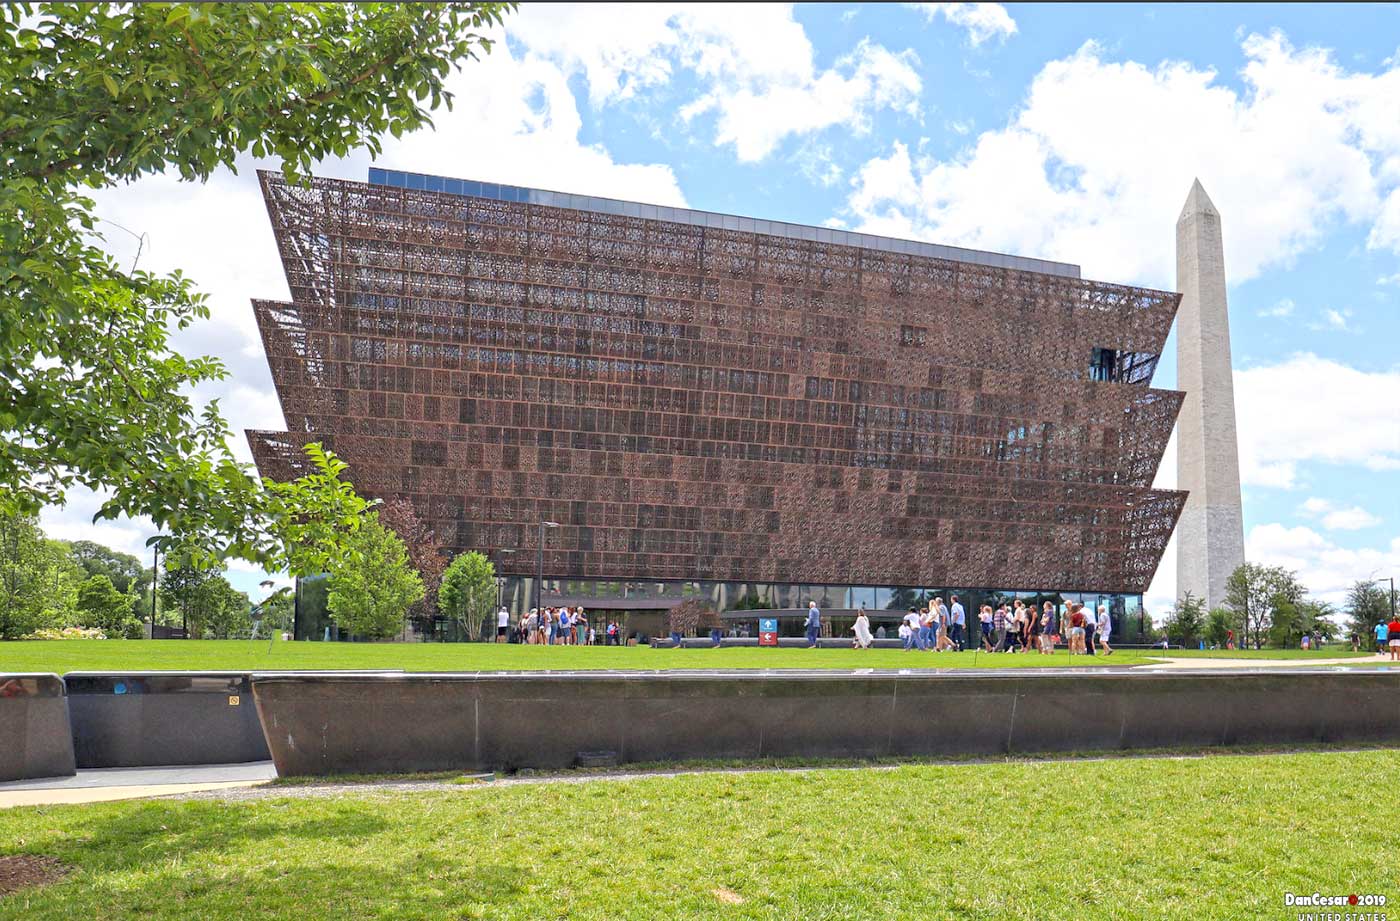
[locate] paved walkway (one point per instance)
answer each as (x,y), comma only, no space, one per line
(101,785)
(1199,662)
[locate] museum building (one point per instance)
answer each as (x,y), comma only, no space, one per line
(703,405)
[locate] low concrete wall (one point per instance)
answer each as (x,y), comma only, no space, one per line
(35,740)
(146,719)
(331,724)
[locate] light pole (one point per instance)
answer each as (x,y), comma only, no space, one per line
(1391,580)
(539,573)
(500,589)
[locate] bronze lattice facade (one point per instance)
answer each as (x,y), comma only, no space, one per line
(694,398)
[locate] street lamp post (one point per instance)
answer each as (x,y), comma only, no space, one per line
(539,572)
(1391,580)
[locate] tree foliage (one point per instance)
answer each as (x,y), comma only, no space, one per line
(101,605)
(372,588)
(38,580)
(208,606)
(1367,604)
(1219,623)
(424,550)
(1255,592)
(92,392)
(122,570)
(1187,621)
(468,592)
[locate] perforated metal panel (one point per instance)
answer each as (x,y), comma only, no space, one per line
(695,402)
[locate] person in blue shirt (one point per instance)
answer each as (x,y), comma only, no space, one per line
(959,623)
(1381,637)
(814,624)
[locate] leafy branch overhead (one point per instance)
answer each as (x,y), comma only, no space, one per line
(92,392)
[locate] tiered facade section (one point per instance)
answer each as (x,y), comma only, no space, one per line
(718,403)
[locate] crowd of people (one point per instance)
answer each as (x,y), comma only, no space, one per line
(562,626)
(1019,628)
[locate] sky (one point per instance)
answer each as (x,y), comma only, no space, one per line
(1064,132)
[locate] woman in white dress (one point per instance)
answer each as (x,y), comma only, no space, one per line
(862,629)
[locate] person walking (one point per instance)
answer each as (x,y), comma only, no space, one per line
(940,626)
(998,628)
(958,616)
(862,630)
(502,625)
(912,624)
(1105,627)
(814,624)
(1091,626)
(1382,635)
(1393,637)
(984,620)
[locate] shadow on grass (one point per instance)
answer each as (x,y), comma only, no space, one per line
(209,861)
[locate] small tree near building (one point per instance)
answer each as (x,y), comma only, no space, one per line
(1186,623)
(468,592)
(371,590)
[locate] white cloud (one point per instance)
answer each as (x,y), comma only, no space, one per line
(1335,518)
(1310,409)
(1095,165)
(1283,308)
(756,69)
(1389,279)
(982,21)
(1332,319)
(1326,569)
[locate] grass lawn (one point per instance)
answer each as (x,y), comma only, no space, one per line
(193,655)
(1339,651)
(1218,837)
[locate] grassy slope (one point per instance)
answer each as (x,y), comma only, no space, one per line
(137,655)
(1222,837)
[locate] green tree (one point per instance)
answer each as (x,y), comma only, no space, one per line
(101,605)
(207,605)
(1367,604)
(277,611)
(468,591)
(122,570)
(38,579)
(1254,592)
(1186,622)
(92,392)
(372,589)
(1219,623)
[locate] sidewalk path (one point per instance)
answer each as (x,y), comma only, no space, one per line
(101,785)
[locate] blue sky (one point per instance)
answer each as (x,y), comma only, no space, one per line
(1066,132)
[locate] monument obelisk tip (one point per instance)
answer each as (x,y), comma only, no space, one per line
(1197,202)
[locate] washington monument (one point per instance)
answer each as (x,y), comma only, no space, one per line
(1210,535)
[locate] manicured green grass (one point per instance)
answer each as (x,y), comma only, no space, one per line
(242,655)
(1222,837)
(1338,651)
